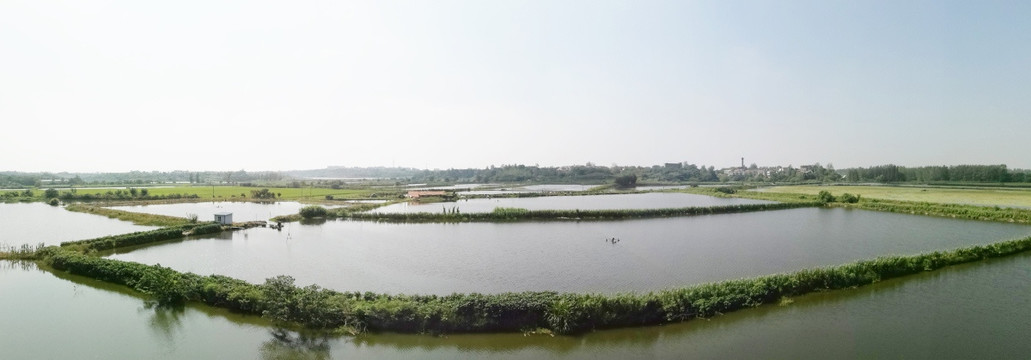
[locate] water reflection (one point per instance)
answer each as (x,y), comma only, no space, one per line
(164,321)
(651,254)
(33,223)
(970,311)
(286,344)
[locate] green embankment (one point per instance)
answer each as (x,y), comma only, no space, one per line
(142,237)
(313,307)
(279,299)
(518,214)
(929,194)
(957,211)
(135,218)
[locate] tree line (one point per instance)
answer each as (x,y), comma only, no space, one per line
(956,173)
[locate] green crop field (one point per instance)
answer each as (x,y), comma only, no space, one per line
(982,197)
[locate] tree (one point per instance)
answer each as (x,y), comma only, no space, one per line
(625,181)
(133,192)
(144,192)
(50,194)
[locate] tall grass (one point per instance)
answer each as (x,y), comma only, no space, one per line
(22,252)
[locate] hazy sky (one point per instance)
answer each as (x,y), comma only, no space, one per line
(210,85)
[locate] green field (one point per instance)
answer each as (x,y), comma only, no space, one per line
(237,192)
(982,197)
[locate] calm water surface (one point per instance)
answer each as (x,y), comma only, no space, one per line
(967,312)
(33,223)
(585,202)
(651,254)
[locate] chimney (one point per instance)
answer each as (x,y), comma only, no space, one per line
(742,163)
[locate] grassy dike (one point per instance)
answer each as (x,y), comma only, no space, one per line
(135,218)
(565,313)
(955,211)
(518,214)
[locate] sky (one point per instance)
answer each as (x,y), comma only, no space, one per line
(99,86)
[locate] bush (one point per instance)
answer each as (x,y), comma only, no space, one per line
(726,190)
(262,194)
(626,181)
(313,211)
(825,196)
(849,198)
(54,202)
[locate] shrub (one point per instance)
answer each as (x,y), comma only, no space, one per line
(825,196)
(313,211)
(726,190)
(849,198)
(54,202)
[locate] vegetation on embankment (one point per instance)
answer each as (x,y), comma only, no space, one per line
(279,299)
(136,218)
(941,195)
(142,237)
(997,214)
(514,214)
(848,200)
(742,192)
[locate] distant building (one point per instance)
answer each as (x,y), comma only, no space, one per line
(224,218)
(415,194)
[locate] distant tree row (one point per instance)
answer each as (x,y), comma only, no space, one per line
(956,173)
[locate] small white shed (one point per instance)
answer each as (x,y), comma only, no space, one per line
(224,218)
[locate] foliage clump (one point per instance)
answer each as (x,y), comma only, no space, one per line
(626,181)
(825,196)
(313,211)
(726,190)
(848,198)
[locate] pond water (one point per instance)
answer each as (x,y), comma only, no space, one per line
(33,223)
(584,202)
(205,211)
(964,312)
(651,254)
(450,187)
(556,187)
